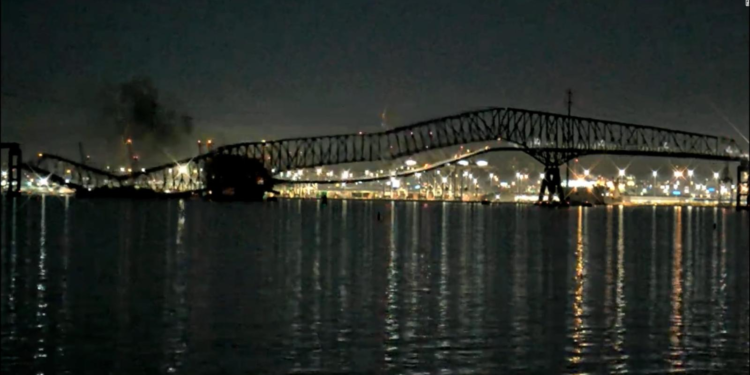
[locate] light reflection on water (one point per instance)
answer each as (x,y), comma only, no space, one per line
(193,287)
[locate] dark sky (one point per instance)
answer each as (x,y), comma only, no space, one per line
(247,70)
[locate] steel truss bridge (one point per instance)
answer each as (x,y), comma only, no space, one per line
(552,139)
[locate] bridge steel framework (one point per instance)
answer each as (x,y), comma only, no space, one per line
(550,138)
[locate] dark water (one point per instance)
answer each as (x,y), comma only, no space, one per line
(119,287)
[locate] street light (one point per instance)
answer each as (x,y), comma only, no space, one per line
(690,172)
(410,163)
(585,172)
(463,163)
(481,163)
(653,188)
(622,173)
(677,174)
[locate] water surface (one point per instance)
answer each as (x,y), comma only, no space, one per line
(127,287)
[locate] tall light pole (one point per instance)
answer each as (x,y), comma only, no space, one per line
(567,165)
(653,188)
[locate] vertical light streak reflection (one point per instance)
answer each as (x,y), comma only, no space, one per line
(459,288)
(316,306)
(688,277)
(442,334)
(413,255)
(720,243)
(175,304)
(12,333)
(620,295)
(391,321)
(463,270)
(64,303)
(343,282)
(411,294)
(578,306)
(41,314)
(716,308)
(295,357)
(609,272)
(340,285)
(675,335)
(412,279)
(652,275)
(478,287)
(167,315)
(519,306)
(609,304)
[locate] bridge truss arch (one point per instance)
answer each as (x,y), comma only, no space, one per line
(550,138)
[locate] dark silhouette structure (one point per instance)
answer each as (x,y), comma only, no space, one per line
(237,178)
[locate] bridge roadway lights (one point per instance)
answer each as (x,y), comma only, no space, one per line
(552,183)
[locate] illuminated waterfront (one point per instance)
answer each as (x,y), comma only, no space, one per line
(199,287)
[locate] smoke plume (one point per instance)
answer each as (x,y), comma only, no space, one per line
(134,110)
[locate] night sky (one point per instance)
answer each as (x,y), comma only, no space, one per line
(247,70)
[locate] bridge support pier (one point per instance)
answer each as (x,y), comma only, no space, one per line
(552,183)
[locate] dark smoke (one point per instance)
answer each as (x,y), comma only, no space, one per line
(134,110)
